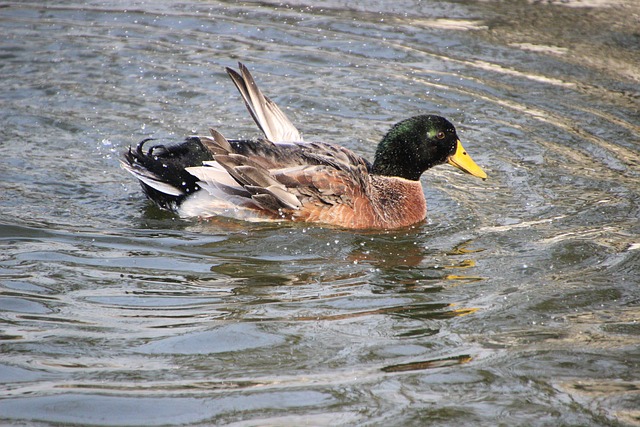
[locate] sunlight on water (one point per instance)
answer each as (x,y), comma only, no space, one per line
(515,303)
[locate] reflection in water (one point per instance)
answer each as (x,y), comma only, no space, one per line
(414,311)
(428,364)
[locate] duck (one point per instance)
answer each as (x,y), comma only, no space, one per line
(282,177)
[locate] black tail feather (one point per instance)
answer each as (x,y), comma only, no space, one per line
(167,163)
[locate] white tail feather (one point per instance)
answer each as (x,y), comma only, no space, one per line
(151,180)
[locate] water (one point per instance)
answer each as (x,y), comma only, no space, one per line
(517,303)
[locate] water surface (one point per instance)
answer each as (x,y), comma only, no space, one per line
(516,303)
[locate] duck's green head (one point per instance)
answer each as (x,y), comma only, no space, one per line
(416,144)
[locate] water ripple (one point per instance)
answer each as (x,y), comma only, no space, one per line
(514,303)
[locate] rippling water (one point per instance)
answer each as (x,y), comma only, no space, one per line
(516,303)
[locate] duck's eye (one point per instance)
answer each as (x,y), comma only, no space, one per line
(440,135)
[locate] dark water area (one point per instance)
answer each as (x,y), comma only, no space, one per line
(516,303)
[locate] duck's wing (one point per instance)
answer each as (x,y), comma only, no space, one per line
(244,169)
(283,177)
(275,125)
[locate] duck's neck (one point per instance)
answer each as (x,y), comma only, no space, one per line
(398,154)
(385,168)
(401,202)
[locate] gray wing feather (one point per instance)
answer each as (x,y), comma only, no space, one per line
(275,125)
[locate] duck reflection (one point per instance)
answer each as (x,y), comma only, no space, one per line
(384,265)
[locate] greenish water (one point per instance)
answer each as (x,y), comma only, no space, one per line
(517,303)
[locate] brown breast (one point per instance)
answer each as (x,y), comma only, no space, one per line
(389,203)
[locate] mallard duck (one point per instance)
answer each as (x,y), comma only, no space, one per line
(283,178)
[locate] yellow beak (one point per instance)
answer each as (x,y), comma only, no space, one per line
(465,163)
